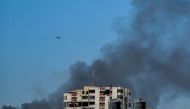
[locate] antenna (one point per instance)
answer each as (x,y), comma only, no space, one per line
(93,75)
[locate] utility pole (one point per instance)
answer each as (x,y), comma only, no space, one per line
(93,75)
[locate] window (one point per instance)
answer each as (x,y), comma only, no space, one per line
(91,97)
(119,91)
(92,103)
(84,97)
(125,99)
(120,96)
(71,105)
(86,92)
(74,99)
(88,97)
(107,92)
(65,97)
(84,103)
(65,104)
(101,92)
(91,91)
(102,99)
(74,93)
(129,104)
(129,93)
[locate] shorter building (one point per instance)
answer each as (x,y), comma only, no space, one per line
(92,97)
(139,104)
(115,104)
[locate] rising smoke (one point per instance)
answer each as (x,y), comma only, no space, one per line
(151,55)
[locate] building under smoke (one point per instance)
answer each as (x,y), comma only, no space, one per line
(92,97)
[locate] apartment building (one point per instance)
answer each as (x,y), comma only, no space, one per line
(92,97)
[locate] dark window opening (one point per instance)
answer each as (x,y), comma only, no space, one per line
(119,91)
(91,91)
(84,97)
(120,96)
(86,92)
(91,103)
(91,97)
(107,92)
(84,103)
(74,98)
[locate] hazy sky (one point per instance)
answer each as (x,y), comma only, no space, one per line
(33,63)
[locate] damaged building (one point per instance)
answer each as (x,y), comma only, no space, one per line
(92,97)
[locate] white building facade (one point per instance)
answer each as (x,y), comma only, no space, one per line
(92,97)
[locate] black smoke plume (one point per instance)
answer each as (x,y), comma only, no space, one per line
(151,55)
(8,107)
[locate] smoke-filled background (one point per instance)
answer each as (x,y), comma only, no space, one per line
(151,56)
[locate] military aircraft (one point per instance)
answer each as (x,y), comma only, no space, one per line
(58,37)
